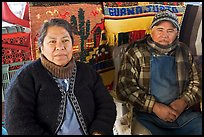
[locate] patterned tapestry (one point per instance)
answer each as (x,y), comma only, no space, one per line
(90,43)
(126,22)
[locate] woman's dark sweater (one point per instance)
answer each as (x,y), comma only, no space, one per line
(33,101)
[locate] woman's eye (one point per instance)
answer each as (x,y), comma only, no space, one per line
(66,40)
(52,42)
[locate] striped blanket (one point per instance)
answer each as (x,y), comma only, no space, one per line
(191,29)
(191,34)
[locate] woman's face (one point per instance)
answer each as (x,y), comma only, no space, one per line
(164,33)
(57,46)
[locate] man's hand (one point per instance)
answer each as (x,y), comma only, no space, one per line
(165,112)
(178,105)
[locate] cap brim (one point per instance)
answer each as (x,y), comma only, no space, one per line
(165,19)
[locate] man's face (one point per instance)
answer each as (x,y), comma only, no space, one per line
(164,33)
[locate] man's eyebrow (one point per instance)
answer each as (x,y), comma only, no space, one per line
(159,28)
(164,28)
(170,29)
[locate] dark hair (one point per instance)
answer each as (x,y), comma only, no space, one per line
(54,22)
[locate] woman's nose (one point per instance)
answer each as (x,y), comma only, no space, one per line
(59,46)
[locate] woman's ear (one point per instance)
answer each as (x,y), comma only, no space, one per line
(41,49)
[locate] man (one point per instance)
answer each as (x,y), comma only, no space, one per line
(159,79)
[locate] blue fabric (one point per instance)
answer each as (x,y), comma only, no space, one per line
(164,87)
(191,126)
(163,83)
(4,132)
(70,125)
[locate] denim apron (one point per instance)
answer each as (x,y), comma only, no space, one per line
(164,87)
(163,82)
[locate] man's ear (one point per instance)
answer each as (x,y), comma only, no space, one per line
(150,32)
(178,33)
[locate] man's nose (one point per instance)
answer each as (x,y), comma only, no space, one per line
(164,34)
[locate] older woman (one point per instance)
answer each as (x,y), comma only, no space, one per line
(57,95)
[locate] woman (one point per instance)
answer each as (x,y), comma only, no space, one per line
(57,95)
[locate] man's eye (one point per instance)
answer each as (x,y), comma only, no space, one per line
(160,30)
(170,31)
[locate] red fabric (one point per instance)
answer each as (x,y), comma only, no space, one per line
(18,39)
(9,17)
(26,12)
(12,46)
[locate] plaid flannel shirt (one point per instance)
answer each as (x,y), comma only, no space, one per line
(134,78)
